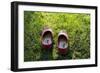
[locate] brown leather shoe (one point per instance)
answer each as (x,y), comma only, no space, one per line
(62,43)
(47,38)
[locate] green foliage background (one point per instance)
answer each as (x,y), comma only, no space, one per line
(77,25)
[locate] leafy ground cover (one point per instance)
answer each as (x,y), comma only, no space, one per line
(77,25)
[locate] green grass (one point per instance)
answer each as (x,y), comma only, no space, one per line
(77,25)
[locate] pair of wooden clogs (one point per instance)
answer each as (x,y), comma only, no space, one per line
(47,40)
